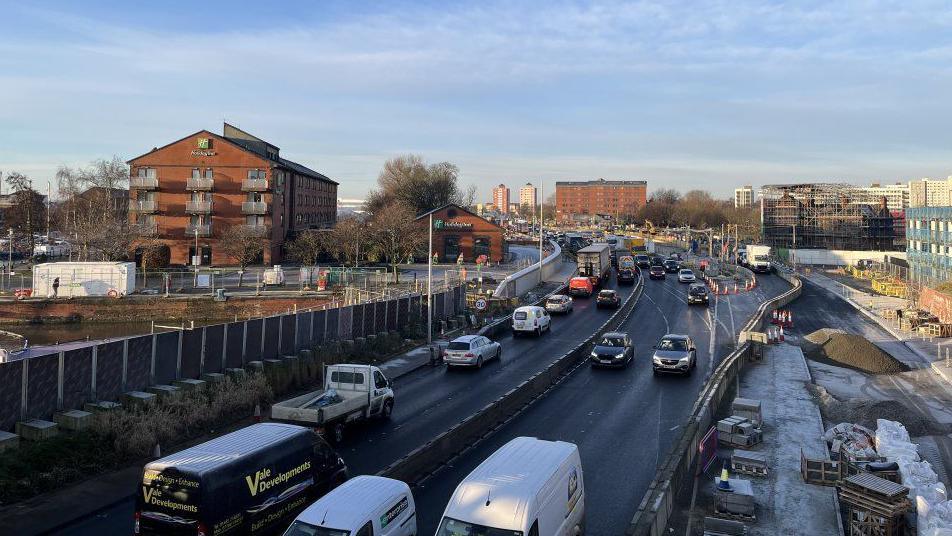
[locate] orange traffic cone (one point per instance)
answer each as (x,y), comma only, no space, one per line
(735,288)
(257,415)
(789,318)
(781,333)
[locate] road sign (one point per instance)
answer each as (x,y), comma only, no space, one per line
(481,304)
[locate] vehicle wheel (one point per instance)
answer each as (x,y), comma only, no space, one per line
(499,352)
(655,372)
(538,332)
(338,433)
(479,362)
(387,409)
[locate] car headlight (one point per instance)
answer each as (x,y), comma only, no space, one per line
(594,354)
(656,359)
(684,359)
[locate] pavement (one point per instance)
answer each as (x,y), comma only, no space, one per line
(785,504)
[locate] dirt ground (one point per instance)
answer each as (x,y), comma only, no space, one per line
(839,348)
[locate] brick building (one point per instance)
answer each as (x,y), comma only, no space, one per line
(193,189)
(501,198)
(582,200)
(458,231)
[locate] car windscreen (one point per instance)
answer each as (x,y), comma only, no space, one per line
(455,527)
(698,290)
(641,258)
(300,528)
(606,294)
(557,299)
(673,345)
(614,342)
(458,345)
(687,272)
(520,315)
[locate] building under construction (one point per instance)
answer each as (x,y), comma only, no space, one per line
(827,216)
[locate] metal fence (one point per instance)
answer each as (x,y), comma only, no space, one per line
(37,387)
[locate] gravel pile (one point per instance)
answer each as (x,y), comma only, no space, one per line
(837,347)
(865,412)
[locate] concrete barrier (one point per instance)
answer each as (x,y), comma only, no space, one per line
(677,469)
(420,463)
(524,280)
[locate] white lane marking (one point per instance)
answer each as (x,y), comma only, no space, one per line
(692,310)
(712,327)
(667,327)
(730,309)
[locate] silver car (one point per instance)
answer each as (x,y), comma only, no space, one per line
(686,276)
(674,353)
(471,351)
(559,303)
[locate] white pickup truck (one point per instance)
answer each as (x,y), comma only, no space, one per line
(351,393)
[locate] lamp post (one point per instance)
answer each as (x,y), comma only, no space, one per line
(540,231)
(429,286)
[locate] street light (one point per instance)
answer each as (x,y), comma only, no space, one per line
(429,286)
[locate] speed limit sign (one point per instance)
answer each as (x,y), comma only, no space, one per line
(481,304)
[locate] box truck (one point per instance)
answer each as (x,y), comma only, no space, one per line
(594,262)
(758,258)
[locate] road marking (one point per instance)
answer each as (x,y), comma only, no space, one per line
(730,308)
(667,327)
(712,327)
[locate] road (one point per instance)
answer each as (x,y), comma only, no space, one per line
(624,421)
(521,256)
(428,402)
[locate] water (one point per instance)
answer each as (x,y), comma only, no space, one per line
(47,334)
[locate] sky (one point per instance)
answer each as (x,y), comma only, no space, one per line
(708,95)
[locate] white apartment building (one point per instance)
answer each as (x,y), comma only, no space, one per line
(897,195)
(744,197)
(528,196)
(930,192)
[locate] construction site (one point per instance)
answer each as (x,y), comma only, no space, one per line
(829,216)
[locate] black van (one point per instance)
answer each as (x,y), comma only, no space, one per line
(245,482)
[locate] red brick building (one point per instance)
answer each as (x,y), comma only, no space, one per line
(458,231)
(581,200)
(194,188)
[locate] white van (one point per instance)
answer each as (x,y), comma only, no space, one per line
(529,487)
(530,319)
(362,506)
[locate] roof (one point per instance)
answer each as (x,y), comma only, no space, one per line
(601,182)
(228,447)
(465,338)
(675,337)
(507,481)
(347,506)
(454,205)
(614,334)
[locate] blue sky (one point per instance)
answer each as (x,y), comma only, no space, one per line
(683,95)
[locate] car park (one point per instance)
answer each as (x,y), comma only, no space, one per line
(686,276)
(608,298)
(581,286)
(626,277)
(559,303)
(528,487)
(643,261)
(530,319)
(613,350)
(674,353)
(371,505)
(698,294)
(656,272)
(671,266)
(471,351)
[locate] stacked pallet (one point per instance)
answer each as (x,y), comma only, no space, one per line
(877,506)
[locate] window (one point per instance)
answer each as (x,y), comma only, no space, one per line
(341,376)
(379,381)
(209,174)
(196,173)
(366,530)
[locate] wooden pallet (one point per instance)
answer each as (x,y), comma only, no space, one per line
(736,517)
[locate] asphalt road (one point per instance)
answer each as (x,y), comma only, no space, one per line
(624,421)
(428,402)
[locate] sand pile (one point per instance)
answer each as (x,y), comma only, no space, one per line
(837,347)
(865,412)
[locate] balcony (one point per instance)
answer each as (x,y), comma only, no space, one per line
(199,184)
(144,183)
(254,185)
(258,230)
(198,207)
(143,207)
(203,229)
(254,207)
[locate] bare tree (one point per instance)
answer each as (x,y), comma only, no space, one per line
(26,208)
(422,187)
(396,235)
(308,246)
(242,244)
(347,241)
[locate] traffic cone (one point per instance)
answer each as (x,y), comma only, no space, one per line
(157,451)
(790,319)
(781,333)
(257,415)
(735,288)
(773,320)
(724,483)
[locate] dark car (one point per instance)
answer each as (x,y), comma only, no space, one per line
(642,261)
(656,272)
(626,277)
(672,266)
(608,298)
(698,294)
(614,350)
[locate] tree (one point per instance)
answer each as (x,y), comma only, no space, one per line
(243,244)
(26,208)
(347,241)
(410,181)
(396,235)
(308,246)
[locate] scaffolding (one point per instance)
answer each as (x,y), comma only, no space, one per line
(826,216)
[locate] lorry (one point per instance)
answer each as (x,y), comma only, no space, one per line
(758,258)
(351,393)
(594,262)
(626,261)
